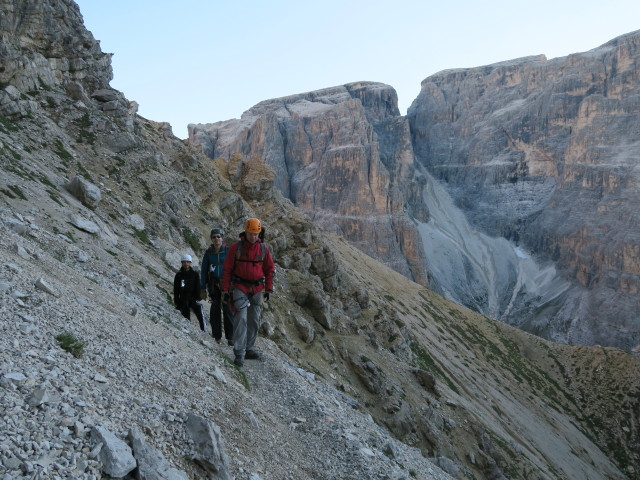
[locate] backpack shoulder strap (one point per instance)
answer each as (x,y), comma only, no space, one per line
(237,245)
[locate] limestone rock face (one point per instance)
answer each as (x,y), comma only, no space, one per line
(44,43)
(545,153)
(342,154)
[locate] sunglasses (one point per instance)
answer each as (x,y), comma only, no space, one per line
(216,236)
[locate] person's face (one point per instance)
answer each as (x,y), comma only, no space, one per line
(216,239)
(186,265)
(251,237)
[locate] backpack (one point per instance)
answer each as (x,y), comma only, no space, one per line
(235,278)
(263,254)
(263,249)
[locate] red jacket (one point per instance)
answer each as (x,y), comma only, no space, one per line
(246,271)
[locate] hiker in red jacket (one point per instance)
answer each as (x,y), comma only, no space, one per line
(247,280)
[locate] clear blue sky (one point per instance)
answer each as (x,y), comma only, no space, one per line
(206,61)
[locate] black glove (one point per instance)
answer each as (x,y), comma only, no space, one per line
(266,296)
(226,297)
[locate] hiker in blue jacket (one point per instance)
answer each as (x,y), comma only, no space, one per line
(210,279)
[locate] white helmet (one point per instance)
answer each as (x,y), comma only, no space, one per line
(186,258)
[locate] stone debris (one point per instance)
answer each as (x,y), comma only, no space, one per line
(22,252)
(83,224)
(116,456)
(40,395)
(136,221)
(208,445)
(152,465)
(43,285)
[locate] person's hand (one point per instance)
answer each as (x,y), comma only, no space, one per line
(225,297)
(266,296)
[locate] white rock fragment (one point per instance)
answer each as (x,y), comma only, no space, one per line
(42,284)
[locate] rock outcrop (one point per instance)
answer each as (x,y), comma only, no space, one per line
(344,156)
(45,44)
(544,153)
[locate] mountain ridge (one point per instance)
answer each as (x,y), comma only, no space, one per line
(515,150)
(378,374)
(543,157)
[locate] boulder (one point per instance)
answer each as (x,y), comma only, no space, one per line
(116,456)
(152,465)
(209,451)
(85,191)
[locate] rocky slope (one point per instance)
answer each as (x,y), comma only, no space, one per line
(378,375)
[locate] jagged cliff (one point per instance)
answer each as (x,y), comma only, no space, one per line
(544,153)
(44,44)
(536,222)
(344,156)
(375,374)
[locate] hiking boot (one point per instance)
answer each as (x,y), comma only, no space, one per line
(230,343)
(238,361)
(218,340)
(253,355)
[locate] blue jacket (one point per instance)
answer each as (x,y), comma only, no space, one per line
(211,267)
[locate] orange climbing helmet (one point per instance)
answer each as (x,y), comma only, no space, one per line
(253,225)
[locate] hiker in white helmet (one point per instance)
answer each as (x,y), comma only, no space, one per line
(186,291)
